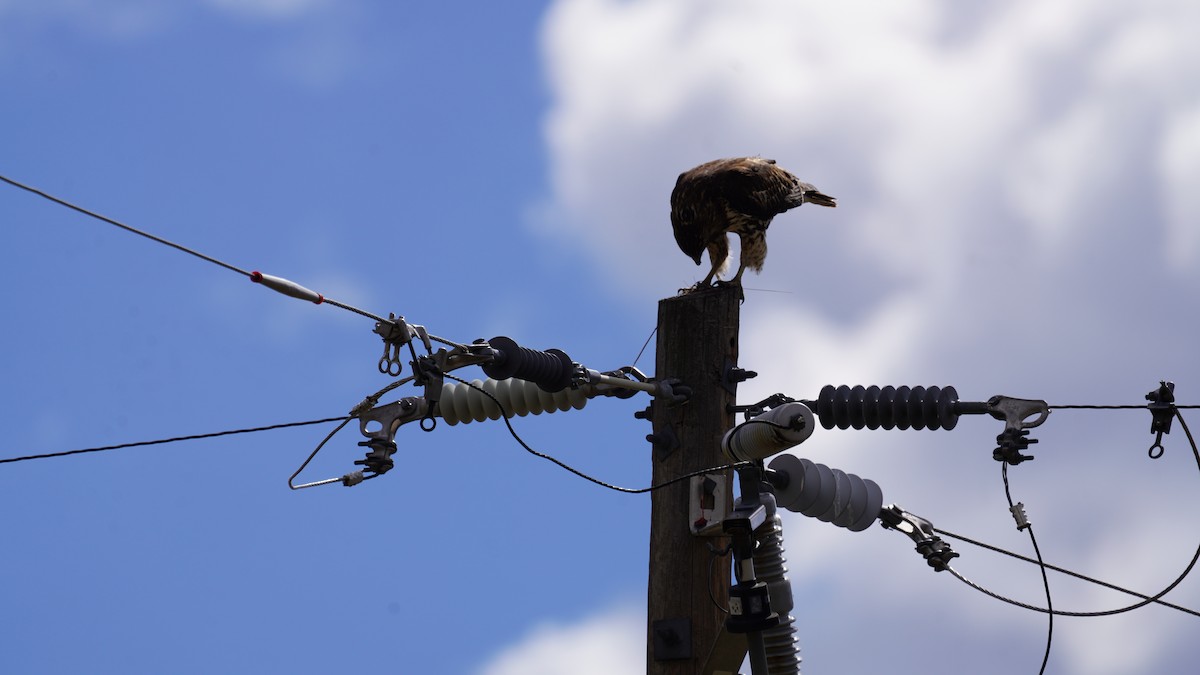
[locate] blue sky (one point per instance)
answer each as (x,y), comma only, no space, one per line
(1017,215)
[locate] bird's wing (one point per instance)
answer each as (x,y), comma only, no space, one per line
(758,188)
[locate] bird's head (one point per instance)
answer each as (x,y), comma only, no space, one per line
(683,219)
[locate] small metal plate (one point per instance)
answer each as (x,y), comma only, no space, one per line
(672,639)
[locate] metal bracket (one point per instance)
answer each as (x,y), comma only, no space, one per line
(707,504)
(672,639)
(665,442)
(390,417)
(732,376)
(755,409)
(1017,414)
(1016,411)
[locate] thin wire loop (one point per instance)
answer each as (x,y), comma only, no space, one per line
(320,445)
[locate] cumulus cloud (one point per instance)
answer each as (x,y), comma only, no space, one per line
(1017,214)
(612,641)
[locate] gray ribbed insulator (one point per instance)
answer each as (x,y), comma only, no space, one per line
(827,494)
(770,433)
(770,567)
(462,403)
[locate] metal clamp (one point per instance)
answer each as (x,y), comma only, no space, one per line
(1162,408)
(1017,414)
(935,551)
(1016,411)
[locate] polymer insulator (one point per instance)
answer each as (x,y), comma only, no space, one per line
(831,495)
(464,403)
(770,433)
(887,407)
(550,369)
(770,566)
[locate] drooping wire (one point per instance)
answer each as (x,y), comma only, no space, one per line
(1022,523)
(504,415)
(173,440)
(1146,599)
(1063,570)
(364,405)
(713,554)
(308,459)
(253,276)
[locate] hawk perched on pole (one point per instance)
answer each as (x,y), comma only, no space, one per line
(734,196)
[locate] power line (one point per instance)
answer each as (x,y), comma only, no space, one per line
(1138,406)
(274,283)
(161,441)
(1146,599)
(123,226)
(1063,570)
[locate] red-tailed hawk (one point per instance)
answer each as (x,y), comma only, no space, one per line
(734,196)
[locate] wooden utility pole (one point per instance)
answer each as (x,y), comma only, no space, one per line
(698,345)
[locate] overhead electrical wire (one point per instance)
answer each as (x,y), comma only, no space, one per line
(1146,600)
(174,439)
(294,290)
(275,283)
(1131,406)
(1063,570)
(1018,511)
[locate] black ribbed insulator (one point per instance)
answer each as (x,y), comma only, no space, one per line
(888,407)
(551,370)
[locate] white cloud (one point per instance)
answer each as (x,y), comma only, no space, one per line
(1179,167)
(613,641)
(1016,211)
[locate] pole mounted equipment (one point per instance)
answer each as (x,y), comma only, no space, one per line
(1162,409)
(522,382)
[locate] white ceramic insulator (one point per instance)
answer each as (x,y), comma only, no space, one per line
(463,403)
(770,433)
